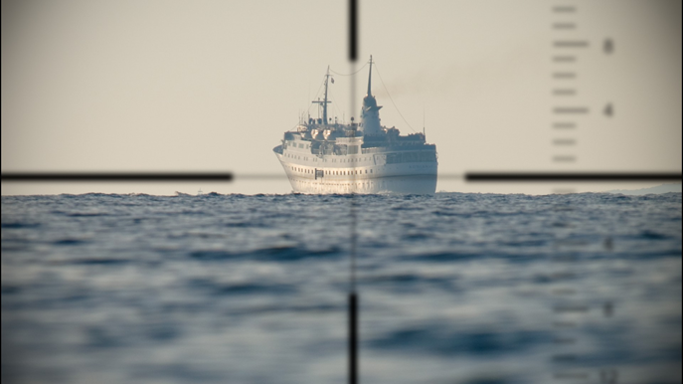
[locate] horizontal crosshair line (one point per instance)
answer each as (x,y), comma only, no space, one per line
(117,176)
(228,176)
(573,176)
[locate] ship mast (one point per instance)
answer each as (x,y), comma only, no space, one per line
(370,78)
(325,101)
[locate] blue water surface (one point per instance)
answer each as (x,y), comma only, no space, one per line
(454,288)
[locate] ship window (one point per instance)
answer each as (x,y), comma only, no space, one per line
(371,171)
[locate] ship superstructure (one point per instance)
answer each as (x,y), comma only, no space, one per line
(324,156)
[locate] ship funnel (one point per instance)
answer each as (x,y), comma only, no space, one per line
(370,111)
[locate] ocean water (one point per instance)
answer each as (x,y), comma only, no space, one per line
(454,288)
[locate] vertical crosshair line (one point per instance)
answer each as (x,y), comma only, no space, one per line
(353,297)
(354,218)
(353,30)
(354,241)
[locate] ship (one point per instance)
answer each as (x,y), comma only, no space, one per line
(322,156)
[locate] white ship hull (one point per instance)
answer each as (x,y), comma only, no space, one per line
(324,156)
(404,178)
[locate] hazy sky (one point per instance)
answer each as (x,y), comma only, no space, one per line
(164,85)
